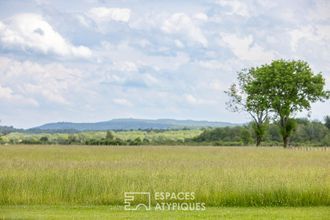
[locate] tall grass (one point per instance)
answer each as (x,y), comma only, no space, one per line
(236,176)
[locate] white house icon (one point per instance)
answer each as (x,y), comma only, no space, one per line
(130,197)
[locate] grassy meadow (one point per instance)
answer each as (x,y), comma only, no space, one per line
(116,212)
(219,176)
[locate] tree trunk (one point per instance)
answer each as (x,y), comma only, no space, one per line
(285,141)
(258,141)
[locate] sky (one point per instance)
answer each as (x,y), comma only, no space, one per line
(87,61)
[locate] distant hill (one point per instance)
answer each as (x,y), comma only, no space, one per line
(8,129)
(132,124)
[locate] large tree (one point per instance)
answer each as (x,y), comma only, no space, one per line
(289,87)
(249,99)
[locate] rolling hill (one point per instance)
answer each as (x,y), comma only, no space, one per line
(132,124)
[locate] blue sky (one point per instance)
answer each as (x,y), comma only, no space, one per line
(97,60)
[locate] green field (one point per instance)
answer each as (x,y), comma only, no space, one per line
(98,176)
(110,212)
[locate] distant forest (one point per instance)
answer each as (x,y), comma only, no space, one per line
(306,133)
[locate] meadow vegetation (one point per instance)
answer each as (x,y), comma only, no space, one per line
(219,176)
(117,212)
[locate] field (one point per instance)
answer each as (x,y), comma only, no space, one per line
(95,176)
(113,212)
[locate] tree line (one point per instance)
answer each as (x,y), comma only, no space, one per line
(305,133)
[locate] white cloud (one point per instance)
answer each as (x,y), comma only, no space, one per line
(321,11)
(51,94)
(217,85)
(180,23)
(50,83)
(150,80)
(245,49)
(298,34)
(178,44)
(124,53)
(32,32)
(123,102)
(201,16)
(316,33)
(7,95)
(236,7)
(193,100)
(125,66)
(103,14)
(84,20)
(147,21)
(211,64)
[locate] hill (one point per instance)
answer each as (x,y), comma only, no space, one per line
(132,124)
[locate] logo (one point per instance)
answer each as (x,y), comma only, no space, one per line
(130,197)
(184,201)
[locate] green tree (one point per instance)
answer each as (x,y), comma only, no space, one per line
(72,139)
(245,136)
(109,135)
(289,87)
(273,133)
(249,99)
(44,140)
(327,121)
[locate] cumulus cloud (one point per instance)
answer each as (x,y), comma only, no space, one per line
(30,32)
(104,14)
(129,80)
(235,7)
(201,16)
(125,66)
(320,11)
(217,85)
(193,100)
(245,49)
(129,57)
(211,64)
(8,95)
(123,102)
(49,83)
(178,43)
(180,23)
(316,33)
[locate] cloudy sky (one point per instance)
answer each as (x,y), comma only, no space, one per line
(97,60)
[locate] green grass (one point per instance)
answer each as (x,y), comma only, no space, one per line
(110,212)
(219,176)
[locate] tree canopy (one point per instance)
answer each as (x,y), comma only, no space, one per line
(243,97)
(283,88)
